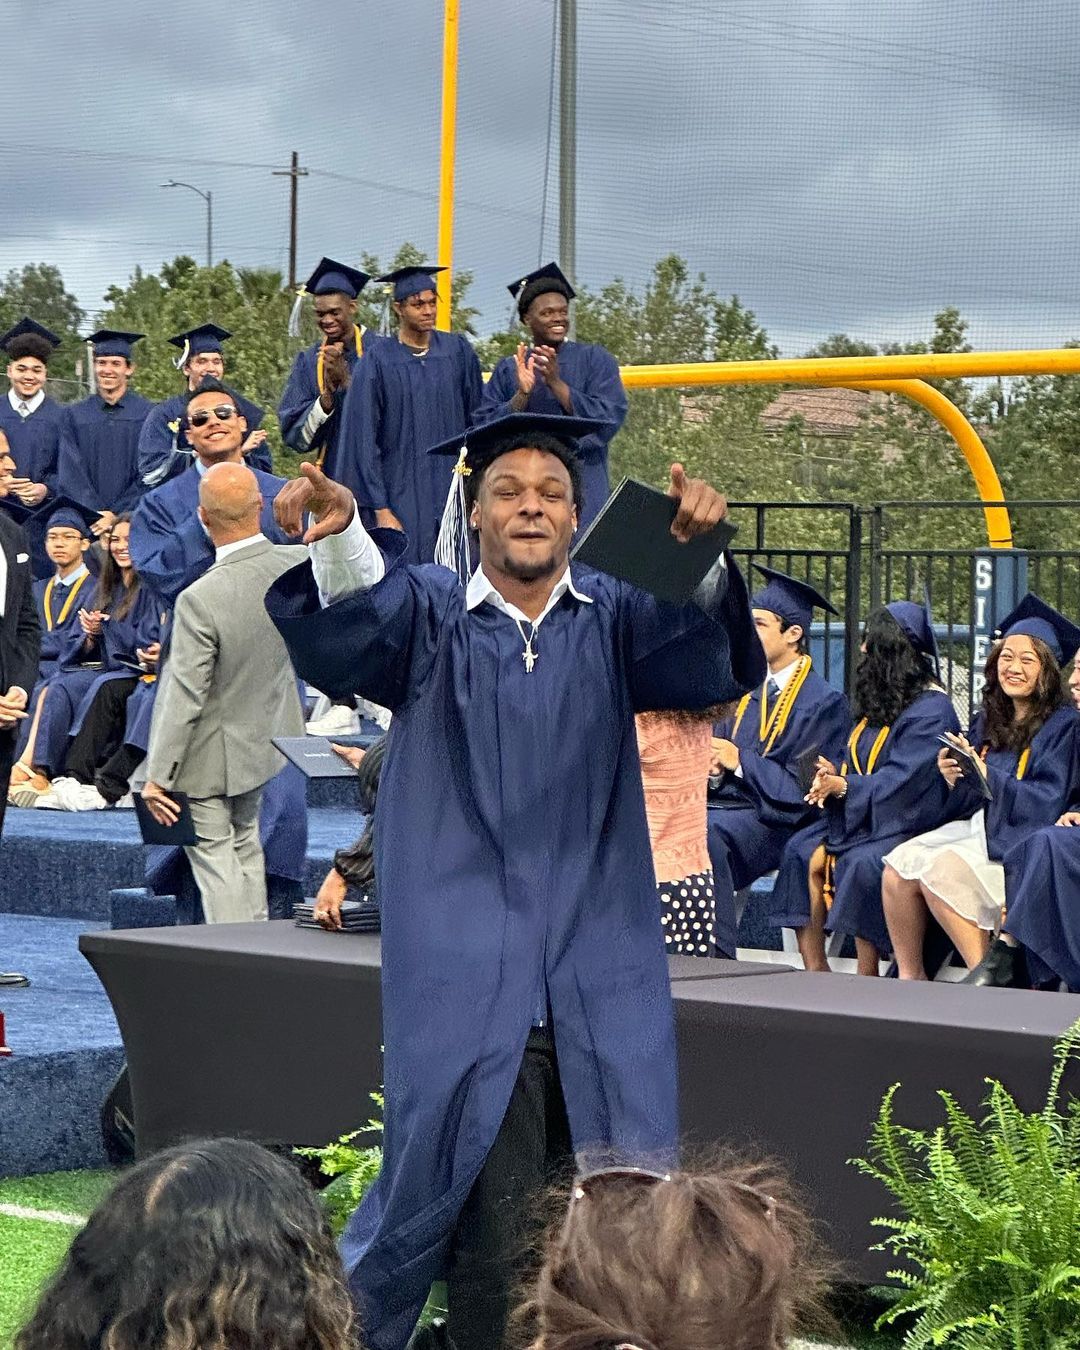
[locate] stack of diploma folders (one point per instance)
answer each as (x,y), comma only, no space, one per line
(357,916)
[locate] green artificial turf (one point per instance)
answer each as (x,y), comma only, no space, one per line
(32,1248)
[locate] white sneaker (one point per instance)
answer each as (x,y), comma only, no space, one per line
(339,721)
(68,794)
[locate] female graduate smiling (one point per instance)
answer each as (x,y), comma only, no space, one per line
(1026,734)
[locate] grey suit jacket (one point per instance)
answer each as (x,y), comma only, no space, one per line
(228,685)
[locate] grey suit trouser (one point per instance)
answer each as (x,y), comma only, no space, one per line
(227,862)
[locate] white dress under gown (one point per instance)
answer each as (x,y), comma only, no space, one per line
(952,862)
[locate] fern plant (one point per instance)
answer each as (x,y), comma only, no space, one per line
(352,1167)
(991,1219)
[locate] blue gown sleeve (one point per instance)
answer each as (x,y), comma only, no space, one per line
(906,792)
(601,397)
(773,783)
(159,457)
(361,420)
(260,457)
(71,467)
(299,394)
(1049,783)
(692,656)
(379,643)
(167,554)
(499,390)
(472,382)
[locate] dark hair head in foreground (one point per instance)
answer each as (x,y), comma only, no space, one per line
(211,1244)
(716,1260)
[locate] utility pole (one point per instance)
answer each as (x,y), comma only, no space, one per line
(568,143)
(294,173)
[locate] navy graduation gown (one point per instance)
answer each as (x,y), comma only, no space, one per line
(597,388)
(530,878)
(1042,888)
(1020,805)
(302,391)
(34,441)
(99,455)
(751,818)
(165,451)
(397,407)
(902,797)
(58,613)
(168,544)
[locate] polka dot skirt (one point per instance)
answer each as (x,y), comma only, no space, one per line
(687,912)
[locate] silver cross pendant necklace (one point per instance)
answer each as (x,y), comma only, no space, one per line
(529,655)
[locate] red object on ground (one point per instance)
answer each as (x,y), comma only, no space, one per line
(5,1049)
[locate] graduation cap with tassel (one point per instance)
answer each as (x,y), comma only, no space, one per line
(329,278)
(403,282)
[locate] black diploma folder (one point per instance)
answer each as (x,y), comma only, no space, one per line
(631,539)
(183,832)
(313,756)
(971,767)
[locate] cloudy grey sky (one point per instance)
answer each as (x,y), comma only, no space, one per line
(839,164)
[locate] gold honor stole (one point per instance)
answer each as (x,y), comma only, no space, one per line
(65,609)
(772,727)
(852,761)
(1021,765)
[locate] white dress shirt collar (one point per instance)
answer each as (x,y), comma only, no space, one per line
(72,577)
(781,677)
(237,544)
(481,590)
(32,404)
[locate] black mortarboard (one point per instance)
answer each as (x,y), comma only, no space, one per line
(1033,617)
(65,511)
(332,277)
(547,278)
(114,342)
(794,601)
(412,280)
(27,327)
(476,449)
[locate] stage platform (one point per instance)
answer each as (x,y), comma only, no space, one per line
(218,1025)
(65,1046)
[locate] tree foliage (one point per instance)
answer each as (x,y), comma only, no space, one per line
(38,290)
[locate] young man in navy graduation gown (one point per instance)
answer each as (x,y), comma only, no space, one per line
(164,447)
(171,549)
(310,411)
(29,418)
(410,392)
(99,437)
(526,1003)
(764,753)
(556,375)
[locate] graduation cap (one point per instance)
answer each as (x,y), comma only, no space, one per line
(208,337)
(916,624)
(113,342)
(794,601)
(545,279)
(478,448)
(29,338)
(1033,617)
(408,281)
(331,277)
(65,513)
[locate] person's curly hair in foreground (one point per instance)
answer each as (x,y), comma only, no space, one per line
(217,1244)
(715,1260)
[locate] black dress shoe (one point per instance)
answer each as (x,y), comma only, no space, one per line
(11,979)
(1003,967)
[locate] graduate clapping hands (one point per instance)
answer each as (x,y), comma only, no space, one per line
(827,783)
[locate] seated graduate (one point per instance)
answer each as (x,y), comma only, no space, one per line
(556,375)
(29,418)
(354,867)
(118,631)
(764,754)
(675,749)
(311,404)
(1040,933)
(887,789)
(169,546)
(164,447)
(1027,735)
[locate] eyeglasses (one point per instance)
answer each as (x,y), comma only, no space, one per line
(224,412)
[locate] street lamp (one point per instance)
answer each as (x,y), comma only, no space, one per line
(208,198)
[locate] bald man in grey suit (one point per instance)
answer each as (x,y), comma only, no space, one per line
(228,687)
